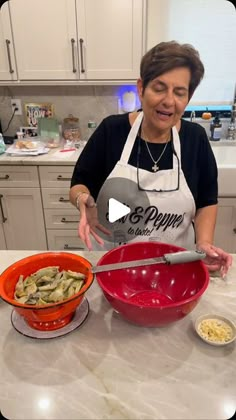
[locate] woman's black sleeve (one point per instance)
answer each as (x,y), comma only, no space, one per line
(208,174)
(91,168)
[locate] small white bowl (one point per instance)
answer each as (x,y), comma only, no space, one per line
(217,318)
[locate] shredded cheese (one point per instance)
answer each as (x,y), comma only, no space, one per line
(215,330)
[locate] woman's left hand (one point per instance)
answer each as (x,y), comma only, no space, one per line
(216,259)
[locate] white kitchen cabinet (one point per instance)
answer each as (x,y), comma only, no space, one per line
(22,218)
(77,39)
(7,54)
(43,34)
(2,236)
(21,213)
(64,240)
(56,177)
(225,232)
(110,34)
(61,218)
(18,176)
(56,198)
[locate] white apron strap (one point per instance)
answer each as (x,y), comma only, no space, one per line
(131,138)
(176,144)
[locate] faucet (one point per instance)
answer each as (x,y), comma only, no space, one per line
(192,116)
(232,125)
(233,112)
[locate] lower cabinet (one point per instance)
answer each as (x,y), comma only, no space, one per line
(2,238)
(64,240)
(62,228)
(225,232)
(35,210)
(61,218)
(21,213)
(22,219)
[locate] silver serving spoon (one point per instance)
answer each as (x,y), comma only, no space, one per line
(171,258)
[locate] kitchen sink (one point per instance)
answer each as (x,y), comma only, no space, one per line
(225,155)
(226,162)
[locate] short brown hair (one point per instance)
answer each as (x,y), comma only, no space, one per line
(169,55)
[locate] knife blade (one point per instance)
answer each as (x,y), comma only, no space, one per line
(171,258)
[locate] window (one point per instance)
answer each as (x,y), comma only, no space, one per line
(210,26)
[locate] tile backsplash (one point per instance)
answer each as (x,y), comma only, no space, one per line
(85,102)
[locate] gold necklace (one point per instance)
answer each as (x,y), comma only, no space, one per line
(155,168)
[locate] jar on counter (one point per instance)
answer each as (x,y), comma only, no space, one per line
(71,130)
(92,125)
(20,135)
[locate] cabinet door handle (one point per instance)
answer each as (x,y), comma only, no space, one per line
(81,41)
(234,230)
(61,178)
(4,219)
(66,246)
(63,220)
(73,54)
(9,56)
(63,200)
(4,177)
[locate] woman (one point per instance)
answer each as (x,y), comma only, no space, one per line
(167,159)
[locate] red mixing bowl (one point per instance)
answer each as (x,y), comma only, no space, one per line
(52,316)
(154,295)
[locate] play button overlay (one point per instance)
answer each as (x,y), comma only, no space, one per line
(125,211)
(116,210)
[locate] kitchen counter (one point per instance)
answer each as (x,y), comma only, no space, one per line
(53,157)
(110,369)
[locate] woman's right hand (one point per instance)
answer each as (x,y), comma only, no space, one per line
(216,258)
(89,222)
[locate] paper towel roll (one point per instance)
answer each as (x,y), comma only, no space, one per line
(129,101)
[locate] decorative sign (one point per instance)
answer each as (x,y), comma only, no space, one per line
(35,111)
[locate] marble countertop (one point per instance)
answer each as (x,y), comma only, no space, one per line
(110,369)
(53,157)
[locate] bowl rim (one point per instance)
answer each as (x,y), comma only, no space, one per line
(220,317)
(14,302)
(171,305)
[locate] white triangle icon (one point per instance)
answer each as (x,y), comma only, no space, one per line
(116,210)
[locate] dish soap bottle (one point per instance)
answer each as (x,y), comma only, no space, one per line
(2,145)
(216,128)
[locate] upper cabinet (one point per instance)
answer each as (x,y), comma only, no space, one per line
(110,38)
(77,39)
(45,39)
(7,55)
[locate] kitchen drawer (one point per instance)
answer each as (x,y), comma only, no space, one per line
(55,176)
(57,198)
(18,176)
(61,219)
(63,239)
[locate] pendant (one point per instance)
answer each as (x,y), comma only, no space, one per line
(155,167)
